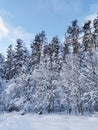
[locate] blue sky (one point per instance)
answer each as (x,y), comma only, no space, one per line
(24,18)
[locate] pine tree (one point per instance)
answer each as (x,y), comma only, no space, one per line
(10,63)
(87,35)
(18,57)
(95,33)
(36,49)
(2,81)
(73,34)
(2,66)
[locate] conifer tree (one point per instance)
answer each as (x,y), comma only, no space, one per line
(18,57)
(10,63)
(73,34)
(87,35)
(95,33)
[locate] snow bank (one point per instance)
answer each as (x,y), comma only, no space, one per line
(47,122)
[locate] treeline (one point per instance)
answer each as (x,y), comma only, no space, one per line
(52,77)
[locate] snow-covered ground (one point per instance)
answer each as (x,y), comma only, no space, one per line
(47,122)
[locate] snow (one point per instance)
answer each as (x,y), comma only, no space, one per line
(47,122)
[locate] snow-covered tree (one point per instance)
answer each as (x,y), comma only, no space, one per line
(87,35)
(10,63)
(2,80)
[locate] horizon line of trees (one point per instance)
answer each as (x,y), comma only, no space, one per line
(54,77)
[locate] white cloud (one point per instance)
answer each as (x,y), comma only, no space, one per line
(92,12)
(6,14)
(91,17)
(9,35)
(3,29)
(19,32)
(13,33)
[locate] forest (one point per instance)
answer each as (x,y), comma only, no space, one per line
(52,77)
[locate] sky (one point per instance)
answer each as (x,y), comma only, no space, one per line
(25,18)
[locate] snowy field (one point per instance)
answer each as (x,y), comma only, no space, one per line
(47,122)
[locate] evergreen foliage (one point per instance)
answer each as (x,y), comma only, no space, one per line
(53,77)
